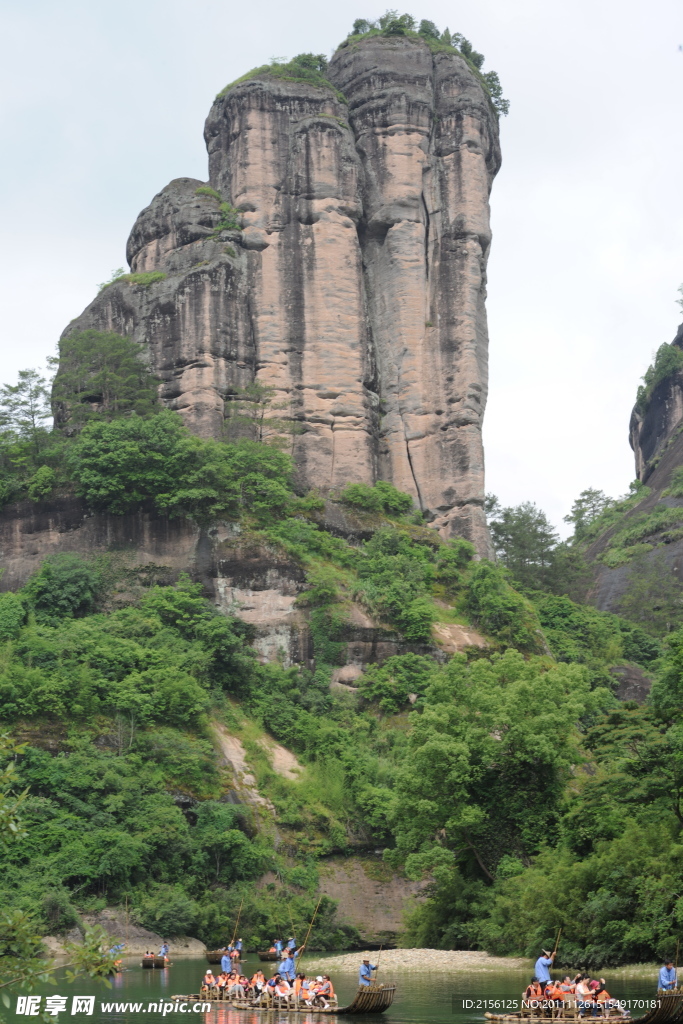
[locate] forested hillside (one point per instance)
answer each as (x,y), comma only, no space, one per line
(509,775)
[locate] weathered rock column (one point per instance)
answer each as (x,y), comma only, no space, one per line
(286,156)
(428,141)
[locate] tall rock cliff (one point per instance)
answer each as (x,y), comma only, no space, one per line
(649,530)
(353,281)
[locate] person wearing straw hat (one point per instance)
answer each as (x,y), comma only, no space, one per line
(365,972)
(288,964)
(543,965)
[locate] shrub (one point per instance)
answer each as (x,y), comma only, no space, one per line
(65,586)
(391,683)
(499,610)
(42,483)
(451,559)
(166,909)
(381,497)
(12,616)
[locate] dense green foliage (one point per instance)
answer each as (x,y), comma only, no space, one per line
(156,463)
(508,775)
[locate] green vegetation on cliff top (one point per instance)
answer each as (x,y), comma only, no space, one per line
(310,68)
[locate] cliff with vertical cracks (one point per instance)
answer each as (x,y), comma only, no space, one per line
(354,282)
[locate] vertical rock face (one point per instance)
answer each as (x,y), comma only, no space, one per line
(428,142)
(652,427)
(356,286)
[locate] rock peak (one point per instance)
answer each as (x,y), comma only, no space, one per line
(338,256)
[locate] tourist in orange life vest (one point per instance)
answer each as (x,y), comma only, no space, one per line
(258,981)
(533,994)
(322,991)
(567,987)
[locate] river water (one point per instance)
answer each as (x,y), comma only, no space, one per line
(435,997)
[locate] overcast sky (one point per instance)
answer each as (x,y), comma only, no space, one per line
(103,104)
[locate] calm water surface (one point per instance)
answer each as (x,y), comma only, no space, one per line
(435,997)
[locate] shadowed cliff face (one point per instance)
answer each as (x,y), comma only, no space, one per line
(656,436)
(356,286)
(650,429)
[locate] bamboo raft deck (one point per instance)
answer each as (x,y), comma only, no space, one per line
(668,1011)
(368,999)
(267,955)
(149,962)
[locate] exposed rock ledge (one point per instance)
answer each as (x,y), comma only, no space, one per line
(137,939)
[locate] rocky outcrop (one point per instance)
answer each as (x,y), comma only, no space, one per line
(656,436)
(652,427)
(355,286)
(241,574)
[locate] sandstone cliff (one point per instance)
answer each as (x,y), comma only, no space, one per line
(354,282)
(656,437)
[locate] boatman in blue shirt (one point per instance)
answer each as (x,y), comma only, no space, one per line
(238,947)
(542,968)
(365,972)
(278,946)
(288,964)
(291,943)
(225,963)
(667,976)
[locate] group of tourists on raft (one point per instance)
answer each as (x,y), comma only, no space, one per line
(287,985)
(280,989)
(588,995)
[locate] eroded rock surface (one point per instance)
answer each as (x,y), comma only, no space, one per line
(356,285)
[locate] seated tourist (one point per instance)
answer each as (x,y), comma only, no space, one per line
(257,982)
(532,994)
(208,981)
(323,991)
(604,999)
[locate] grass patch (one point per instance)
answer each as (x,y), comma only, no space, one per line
(143,280)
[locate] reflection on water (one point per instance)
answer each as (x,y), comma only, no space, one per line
(422,997)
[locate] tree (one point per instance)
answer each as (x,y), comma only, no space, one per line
(24,408)
(103,375)
(588,506)
(21,960)
(428,29)
(524,541)
(654,595)
(250,411)
(135,462)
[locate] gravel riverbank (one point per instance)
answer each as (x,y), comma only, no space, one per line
(420,960)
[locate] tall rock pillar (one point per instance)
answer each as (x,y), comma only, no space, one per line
(427,138)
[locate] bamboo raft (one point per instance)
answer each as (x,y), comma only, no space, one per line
(368,999)
(149,962)
(214,956)
(268,955)
(668,1011)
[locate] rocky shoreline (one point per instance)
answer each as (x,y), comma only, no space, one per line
(421,960)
